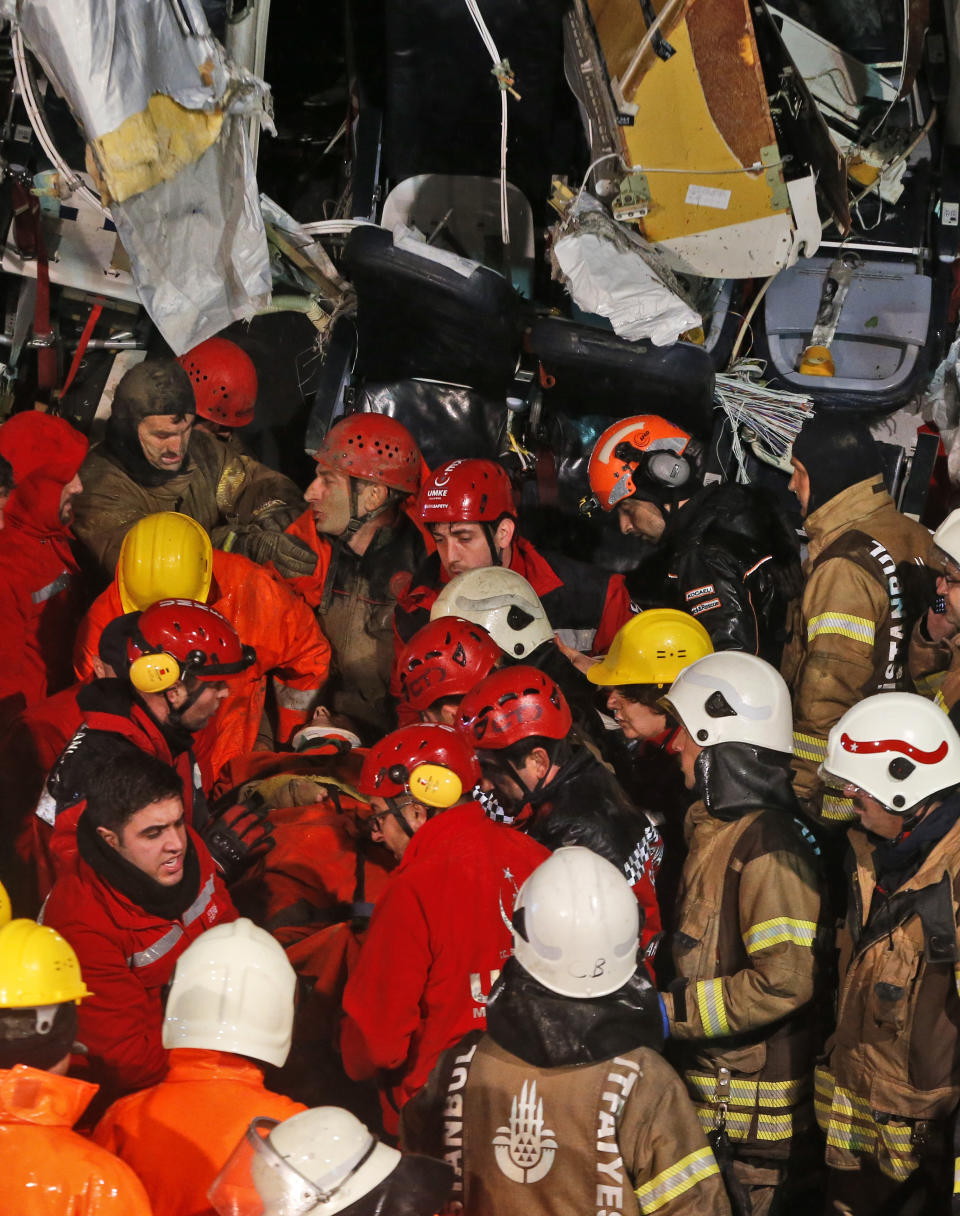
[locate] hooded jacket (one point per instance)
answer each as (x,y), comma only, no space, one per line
(849,630)
(114,718)
(269,617)
(562,1106)
(221,491)
(748,925)
(40,594)
(48,1170)
(127,956)
(892,1066)
(195,1118)
(435,946)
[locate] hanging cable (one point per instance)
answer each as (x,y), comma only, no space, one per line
(505,79)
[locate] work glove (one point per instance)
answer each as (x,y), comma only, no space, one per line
(292,557)
(238,836)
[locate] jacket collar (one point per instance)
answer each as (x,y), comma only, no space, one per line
(842,512)
(206,1064)
(31,1095)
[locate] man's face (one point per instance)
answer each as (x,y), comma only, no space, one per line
(329,498)
(799,484)
(948,585)
(164,439)
(205,706)
(154,840)
(385,829)
(874,816)
(636,720)
(462,547)
(637,517)
(686,749)
(498,779)
(67,495)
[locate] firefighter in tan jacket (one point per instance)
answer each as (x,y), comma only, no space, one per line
(888,1093)
(849,632)
(741,1014)
(935,641)
(564,1104)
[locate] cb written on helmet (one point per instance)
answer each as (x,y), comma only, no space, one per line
(898,747)
(432,763)
(177,638)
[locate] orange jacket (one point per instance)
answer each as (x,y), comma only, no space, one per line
(48,1170)
(178,1135)
(269,617)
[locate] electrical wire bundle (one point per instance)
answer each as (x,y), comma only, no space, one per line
(766,419)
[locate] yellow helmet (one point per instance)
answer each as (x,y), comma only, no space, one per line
(652,648)
(37,967)
(5,910)
(166,556)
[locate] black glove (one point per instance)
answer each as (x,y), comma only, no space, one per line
(291,557)
(237,837)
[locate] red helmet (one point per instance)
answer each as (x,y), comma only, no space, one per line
(511,704)
(224,381)
(467,491)
(446,658)
(434,763)
(176,638)
(638,453)
(375,447)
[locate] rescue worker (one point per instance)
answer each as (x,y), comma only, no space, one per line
(40,592)
(468,508)
(564,1104)
(864,585)
(48,1169)
(360,526)
(440,664)
(324,1161)
(647,655)
(229,1011)
(507,607)
(151,459)
(723,553)
(225,386)
(552,784)
(29,748)
(169,556)
(934,665)
(436,940)
(741,1014)
(888,1092)
(141,888)
(178,660)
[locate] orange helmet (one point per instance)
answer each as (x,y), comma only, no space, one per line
(641,455)
(374,447)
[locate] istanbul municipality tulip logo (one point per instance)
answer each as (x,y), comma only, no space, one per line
(525,1149)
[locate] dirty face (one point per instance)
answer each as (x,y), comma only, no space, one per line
(799,484)
(637,517)
(164,439)
(67,495)
(329,498)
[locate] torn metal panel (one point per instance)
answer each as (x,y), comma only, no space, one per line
(161,106)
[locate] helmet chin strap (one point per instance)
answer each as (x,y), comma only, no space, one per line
(357,520)
(175,715)
(396,810)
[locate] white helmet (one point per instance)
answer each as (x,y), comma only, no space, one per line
(503,603)
(947,536)
(317,1162)
(576,927)
(233,990)
(732,697)
(897,747)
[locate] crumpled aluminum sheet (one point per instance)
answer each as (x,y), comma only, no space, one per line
(196,243)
